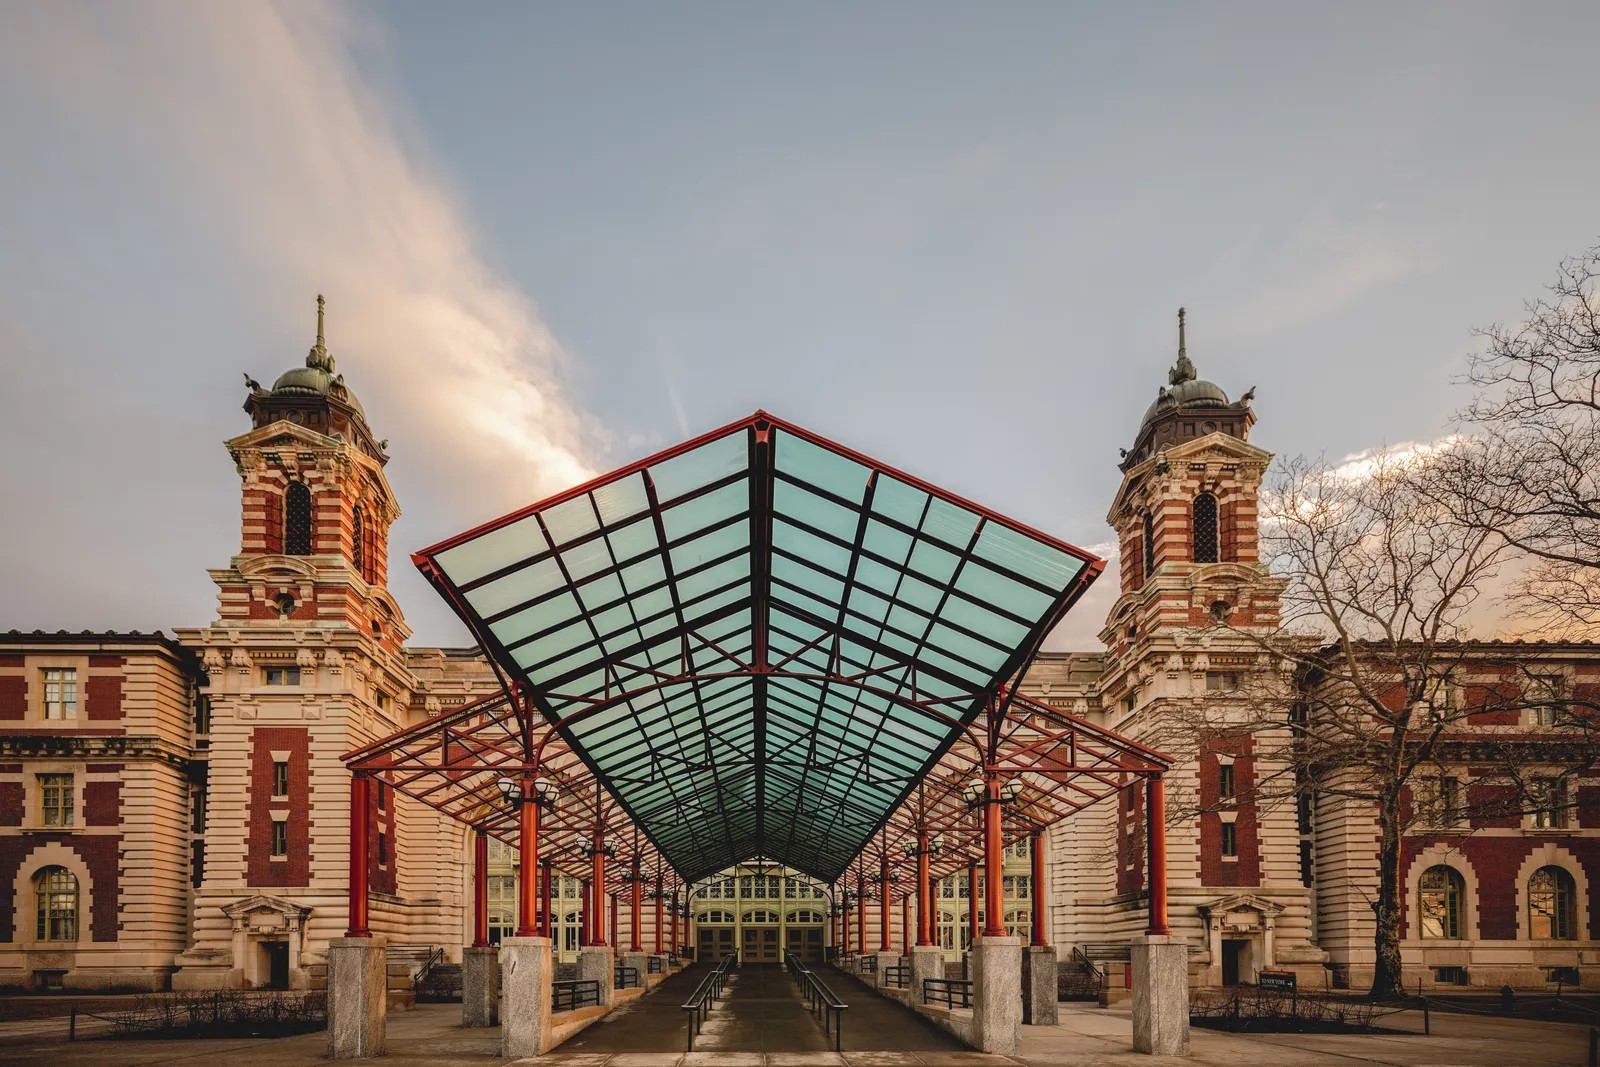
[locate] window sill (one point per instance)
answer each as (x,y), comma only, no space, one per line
(54,829)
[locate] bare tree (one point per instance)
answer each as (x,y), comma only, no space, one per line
(1530,467)
(1365,702)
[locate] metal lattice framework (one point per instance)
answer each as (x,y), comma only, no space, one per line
(759,644)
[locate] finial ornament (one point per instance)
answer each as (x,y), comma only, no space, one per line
(1183,370)
(322,305)
(318,357)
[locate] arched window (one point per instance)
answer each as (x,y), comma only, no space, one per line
(55,892)
(805,916)
(761,916)
(1019,923)
(1205,529)
(297,520)
(358,541)
(1149,547)
(716,916)
(1439,898)
(1550,898)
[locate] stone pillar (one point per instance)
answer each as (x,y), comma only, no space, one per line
(597,964)
(1161,995)
(480,987)
(357,997)
(997,995)
(527,973)
(885,961)
(1039,986)
(927,961)
(640,962)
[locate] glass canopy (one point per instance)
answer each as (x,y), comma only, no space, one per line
(758,640)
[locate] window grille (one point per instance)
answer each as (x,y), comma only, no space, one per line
(61,692)
(1205,528)
(56,794)
(297,520)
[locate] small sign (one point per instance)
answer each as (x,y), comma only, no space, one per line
(1282,981)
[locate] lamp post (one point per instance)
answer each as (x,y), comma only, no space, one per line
(526,798)
(992,794)
(923,848)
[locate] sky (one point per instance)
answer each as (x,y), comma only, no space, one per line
(555,238)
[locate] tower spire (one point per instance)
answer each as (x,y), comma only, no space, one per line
(1183,370)
(318,356)
(1183,351)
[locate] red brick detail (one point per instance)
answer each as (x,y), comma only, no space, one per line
(103,698)
(272,507)
(107,661)
(102,803)
(1228,531)
(13,661)
(303,609)
(14,697)
(381,818)
(98,902)
(11,801)
(1246,869)
(1130,839)
(1498,703)
(295,870)
(1495,863)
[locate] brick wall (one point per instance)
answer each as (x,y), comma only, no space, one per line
(97,903)
(295,868)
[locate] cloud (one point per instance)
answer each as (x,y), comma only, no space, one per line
(268,123)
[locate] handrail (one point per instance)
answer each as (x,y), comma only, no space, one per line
(625,977)
(951,992)
(435,958)
(898,976)
(706,994)
(574,995)
(819,998)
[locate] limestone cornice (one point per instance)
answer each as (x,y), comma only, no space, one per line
(95,747)
(1163,471)
(335,646)
(291,447)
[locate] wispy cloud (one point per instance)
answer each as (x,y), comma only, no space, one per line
(268,122)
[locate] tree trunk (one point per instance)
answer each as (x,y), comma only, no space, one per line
(1386,937)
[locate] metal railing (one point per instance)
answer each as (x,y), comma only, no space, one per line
(819,999)
(898,975)
(706,994)
(867,965)
(435,958)
(657,965)
(570,996)
(951,992)
(625,977)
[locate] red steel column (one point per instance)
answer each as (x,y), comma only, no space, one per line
(597,929)
(905,923)
(674,922)
(883,904)
(993,916)
(527,891)
(972,904)
(861,918)
(360,815)
(1155,814)
(924,905)
(661,919)
(480,890)
(585,913)
(844,926)
(1038,889)
(615,912)
(546,923)
(636,945)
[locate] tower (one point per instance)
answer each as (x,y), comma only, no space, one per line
(303,664)
(1181,667)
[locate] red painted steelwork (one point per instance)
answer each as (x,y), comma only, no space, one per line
(924,905)
(597,928)
(359,816)
(972,904)
(905,924)
(1038,890)
(861,916)
(993,917)
(480,890)
(1156,826)
(635,918)
(660,917)
(883,903)
(546,877)
(528,850)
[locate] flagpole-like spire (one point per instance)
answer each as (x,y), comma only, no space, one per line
(1183,350)
(322,304)
(318,356)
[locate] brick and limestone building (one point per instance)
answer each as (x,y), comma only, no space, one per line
(174,812)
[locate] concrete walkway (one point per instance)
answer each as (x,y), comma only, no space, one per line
(874,1022)
(432,1036)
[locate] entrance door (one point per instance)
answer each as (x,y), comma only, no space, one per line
(715,942)
(1235,962)
(277,963)
(760,944)
(805,942)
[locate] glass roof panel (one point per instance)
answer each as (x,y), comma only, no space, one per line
(777,541)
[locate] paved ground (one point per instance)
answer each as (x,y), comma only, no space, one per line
(1087,1037)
